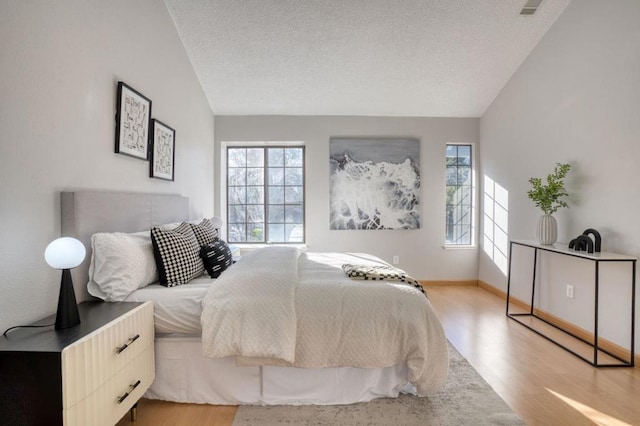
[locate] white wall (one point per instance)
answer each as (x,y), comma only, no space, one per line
(60,62)
(575,99)
(421,251)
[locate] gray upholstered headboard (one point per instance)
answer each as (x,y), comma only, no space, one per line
(86,212)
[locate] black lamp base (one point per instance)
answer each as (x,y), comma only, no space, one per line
(67,315)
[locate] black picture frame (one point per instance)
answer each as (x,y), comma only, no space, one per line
(162,148)
(133,116)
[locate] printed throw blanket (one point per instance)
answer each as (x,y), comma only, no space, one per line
(380,273)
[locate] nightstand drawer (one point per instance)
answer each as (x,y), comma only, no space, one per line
(113,399)
(92,361)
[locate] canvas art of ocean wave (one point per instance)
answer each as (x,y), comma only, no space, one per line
(374,195)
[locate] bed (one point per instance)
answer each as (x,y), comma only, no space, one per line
(327,339)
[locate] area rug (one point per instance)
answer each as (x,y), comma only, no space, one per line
(465,399)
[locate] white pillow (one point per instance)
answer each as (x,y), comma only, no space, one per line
(169,226)
(122,263)
(216,222)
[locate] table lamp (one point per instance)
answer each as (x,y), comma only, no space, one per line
(66,253)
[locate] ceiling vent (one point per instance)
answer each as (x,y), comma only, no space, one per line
(530,7)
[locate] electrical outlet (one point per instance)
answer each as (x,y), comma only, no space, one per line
(570,291)
(396,260)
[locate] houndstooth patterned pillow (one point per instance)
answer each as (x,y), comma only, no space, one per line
(205,232)
(380,273)
(216,257)
(177,255)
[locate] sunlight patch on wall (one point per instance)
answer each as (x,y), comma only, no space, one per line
(496,223)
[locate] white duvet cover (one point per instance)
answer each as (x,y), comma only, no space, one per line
(281,307)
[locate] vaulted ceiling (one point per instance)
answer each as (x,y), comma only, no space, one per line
(430,58)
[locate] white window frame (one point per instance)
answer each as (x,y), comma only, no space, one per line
(473,207)
(223,187)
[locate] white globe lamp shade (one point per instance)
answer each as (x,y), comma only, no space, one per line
(65,253)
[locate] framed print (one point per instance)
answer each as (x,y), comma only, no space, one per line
(163,150)
(132,122)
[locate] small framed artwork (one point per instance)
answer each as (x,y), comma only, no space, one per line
(132,122)
(163,150)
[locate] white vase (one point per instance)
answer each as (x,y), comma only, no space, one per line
(547,232)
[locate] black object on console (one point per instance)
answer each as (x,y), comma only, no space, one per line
(596,237)
(582,242)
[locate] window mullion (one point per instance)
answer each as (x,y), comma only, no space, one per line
(265,202)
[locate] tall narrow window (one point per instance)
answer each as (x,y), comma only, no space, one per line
(459,195)
(265,190)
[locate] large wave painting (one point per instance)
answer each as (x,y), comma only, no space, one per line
(375,183)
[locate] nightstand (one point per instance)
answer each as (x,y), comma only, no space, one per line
(91,374)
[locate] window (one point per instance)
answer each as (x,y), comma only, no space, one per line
(459,195)
(265,194)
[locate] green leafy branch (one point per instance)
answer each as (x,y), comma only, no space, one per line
(547,197)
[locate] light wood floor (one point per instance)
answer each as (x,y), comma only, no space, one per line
(541,382)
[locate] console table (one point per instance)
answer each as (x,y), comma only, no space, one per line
(596,258)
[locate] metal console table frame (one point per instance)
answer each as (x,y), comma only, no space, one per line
(597,258)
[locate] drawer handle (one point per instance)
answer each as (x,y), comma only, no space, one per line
(126,345)
(126,394)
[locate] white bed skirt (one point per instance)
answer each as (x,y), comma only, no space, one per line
(184,375)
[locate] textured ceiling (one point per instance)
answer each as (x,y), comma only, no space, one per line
(430,58)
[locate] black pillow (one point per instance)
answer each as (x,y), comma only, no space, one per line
(216,257)
(176,254)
